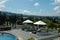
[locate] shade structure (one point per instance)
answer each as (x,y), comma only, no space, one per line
(27,21)
(40,23)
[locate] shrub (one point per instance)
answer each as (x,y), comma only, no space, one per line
(31,38)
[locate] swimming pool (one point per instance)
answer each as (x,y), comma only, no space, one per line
(7,36)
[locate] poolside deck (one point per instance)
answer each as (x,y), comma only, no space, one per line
(22,35)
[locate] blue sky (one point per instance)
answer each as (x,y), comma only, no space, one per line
(32,7)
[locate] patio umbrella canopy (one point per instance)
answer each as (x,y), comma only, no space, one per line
(27,21)
(40,23)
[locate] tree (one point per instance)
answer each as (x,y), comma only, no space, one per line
(35,19)
(21,19)
(2,18)
(13,20)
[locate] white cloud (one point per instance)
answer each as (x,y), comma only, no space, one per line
(57,2)
(1,6)
(36,4)
(57,9)
(2,3)
(39,13)
(46,13)
(27,12)
(24,11)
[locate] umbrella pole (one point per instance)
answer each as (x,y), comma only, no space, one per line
(38,28)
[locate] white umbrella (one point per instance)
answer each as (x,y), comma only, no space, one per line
(40,23)
(27,21)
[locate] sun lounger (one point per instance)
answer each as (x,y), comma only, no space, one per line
(5,28)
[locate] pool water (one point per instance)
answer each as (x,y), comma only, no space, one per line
(7,36)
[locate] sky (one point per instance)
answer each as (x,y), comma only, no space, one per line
(31,7)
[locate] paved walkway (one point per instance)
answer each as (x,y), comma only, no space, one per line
(22,35)
(19,33)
